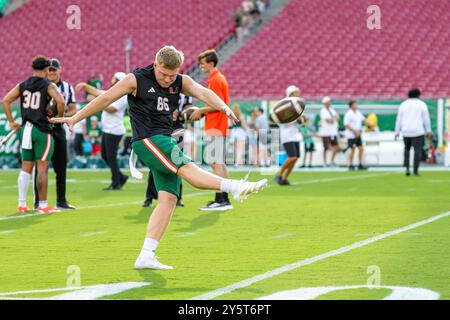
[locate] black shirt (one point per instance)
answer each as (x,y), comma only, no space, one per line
(34,99)
(152,107)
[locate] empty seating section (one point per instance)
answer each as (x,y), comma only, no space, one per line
(39,27)
(326,48)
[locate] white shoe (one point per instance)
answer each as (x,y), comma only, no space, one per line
(150,263)
(246,188)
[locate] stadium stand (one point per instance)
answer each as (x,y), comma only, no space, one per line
(331,51)
(99,46)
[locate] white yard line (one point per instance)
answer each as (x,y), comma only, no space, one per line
(93,233)
(7,232)
(305,262)
(191,195)
(283,235)
(341,178)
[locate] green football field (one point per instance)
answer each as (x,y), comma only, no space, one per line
(371,231)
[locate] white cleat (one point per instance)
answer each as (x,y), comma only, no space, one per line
(246,188)
(150,263)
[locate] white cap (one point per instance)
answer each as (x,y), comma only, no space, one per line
(120,75)
(326,99)
(94,118)
(291,89)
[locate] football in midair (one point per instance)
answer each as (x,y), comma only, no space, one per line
(287,110)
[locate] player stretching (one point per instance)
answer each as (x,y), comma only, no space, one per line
(153,94)
(37,142)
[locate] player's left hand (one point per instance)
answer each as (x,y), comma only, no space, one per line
(66,120)
(230,114)
(196,115)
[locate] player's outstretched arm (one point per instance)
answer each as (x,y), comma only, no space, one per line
(89,89)
(60,103)
(124,87)
(196,90)
(12,96)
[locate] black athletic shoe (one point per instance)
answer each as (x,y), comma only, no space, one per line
(416,174)
(64,206)
(351,168)
(147,203)
(277,179)
(216,206)
(180,203)
(408,173)
(111,187)
(285,183)
(361,167)
(123,180)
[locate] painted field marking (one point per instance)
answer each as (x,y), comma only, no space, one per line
(289,267)
(7,232)
(283,235)
(96,207)
(93,233)
(397,293)
(186,234)
(341,178)
(78,293)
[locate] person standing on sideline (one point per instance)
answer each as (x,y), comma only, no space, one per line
(353,122)
(413,121)
(308,141)
(37,145)
(290,139)
(216,127)
(262,136)
(128,136)
(238,136)
(60,157)
(329,119)
(113,130)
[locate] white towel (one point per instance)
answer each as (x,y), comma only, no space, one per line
(135,173)
(26,138)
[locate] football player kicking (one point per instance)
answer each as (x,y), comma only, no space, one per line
(153,94)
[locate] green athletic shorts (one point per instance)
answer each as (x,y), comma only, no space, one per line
(42,146)
(163,157)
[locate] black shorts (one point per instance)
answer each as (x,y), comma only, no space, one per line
(310,147)
(292,149)
(354,142)
(329,142)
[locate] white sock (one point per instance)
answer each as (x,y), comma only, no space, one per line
(149,248)
(22,183)
(226,185)
(43,204)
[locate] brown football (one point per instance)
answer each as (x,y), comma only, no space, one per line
(287,110)
(51,109)
(186,113)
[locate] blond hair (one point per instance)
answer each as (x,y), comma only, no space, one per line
(169,57)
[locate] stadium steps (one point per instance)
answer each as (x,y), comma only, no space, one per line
(229,47)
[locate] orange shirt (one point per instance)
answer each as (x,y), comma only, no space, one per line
(216,123)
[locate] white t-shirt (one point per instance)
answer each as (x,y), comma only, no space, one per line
(326,129)
(413,118)
(112,123)
(290,132)
(354,119)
